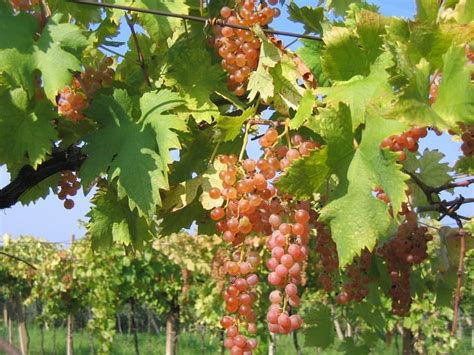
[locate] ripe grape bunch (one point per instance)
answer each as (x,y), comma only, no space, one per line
(356,288)
(407,248)
(23,5)
(254,207)
(326,248)
(239,48)
(73,100)
(467,137)
(406,140)
(69,186)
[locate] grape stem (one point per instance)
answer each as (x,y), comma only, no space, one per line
(246,139)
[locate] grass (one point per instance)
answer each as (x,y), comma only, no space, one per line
(188,344)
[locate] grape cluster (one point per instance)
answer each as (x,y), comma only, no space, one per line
(23,5)
(327,250)
(253,206)
(467,137)
(239,48)
(407,248)
(406,140)
(69,186)
(73,100)
(357,288)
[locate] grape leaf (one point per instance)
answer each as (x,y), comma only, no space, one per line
(260,82)
(357,219)
(305,109)
(464,11)
(229,127)
(335,127)
(465,165)
(125,150)
(52,54)
(112,221)
(310,54)
(26,133)
(340,6)
(427,10)
(370,28)
(431,171)
(287,93)
(153,106)
(313,170)
(196,78)
(342,44)
(362,93)
(319,330)
(310,17)
(160,27)
(455,101)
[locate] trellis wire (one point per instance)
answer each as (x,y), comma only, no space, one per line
(191,18)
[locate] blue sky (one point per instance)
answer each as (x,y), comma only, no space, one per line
(50,220)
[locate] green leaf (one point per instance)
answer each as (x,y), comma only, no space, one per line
(362,94)
(288,93)
(229,127)
(112,221)
(319,330)
(153,106)
(51,54)
(357,219)
(340,7)
(196,78)
(160,27)
(125,150)
(455,101)
(310,53)
(464,11)
(306,176)
(431,171)
(26,133)
(342,44)
(427,10)
(270,55)
(305,109)
(260,82)
(465,165)
(211,179)
(370,28)
(310,17)
(182,194)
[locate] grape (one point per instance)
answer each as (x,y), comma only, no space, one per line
(69,186)
(407,248)
(407,140)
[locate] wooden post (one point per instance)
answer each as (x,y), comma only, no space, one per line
(70,335)
(172,329)
(22,330)
(408,348)
(133,325)
(70,321)
(296,344)
(272,346)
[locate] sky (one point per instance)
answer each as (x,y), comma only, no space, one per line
(48,218)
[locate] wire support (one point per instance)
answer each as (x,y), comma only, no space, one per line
(192,18)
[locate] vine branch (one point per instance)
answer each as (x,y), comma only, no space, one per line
(18,259)
(69,159)
(141,58)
